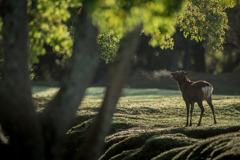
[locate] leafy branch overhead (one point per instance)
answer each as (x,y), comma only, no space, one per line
(54,23)
(158,18)
(49,26)
(205,20)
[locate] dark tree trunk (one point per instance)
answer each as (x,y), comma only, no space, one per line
(94,143)
(188,55)
(199,58)
(174,60)
(231,63)
(187,61)
(59,114)
(17,113)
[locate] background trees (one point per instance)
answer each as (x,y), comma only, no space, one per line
(187,53)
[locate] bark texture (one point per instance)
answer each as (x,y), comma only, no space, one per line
(94,143)
(59,114)
(199,58)
(17,113)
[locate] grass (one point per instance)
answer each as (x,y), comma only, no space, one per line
(161,108)
(150,107)
(145,119)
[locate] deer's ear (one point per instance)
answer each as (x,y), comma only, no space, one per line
(187,73)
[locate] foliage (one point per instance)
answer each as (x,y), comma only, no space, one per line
(157,17)
(48,27)
(108,44)
(54,23)
(205,20)
(108,41)
(114,18)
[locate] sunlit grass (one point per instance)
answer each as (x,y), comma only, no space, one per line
(44,92)
(153,108)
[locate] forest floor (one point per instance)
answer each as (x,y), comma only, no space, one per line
(149,122)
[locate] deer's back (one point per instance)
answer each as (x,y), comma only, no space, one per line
(196,91)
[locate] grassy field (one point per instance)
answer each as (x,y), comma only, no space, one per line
(150,124)
(149,107)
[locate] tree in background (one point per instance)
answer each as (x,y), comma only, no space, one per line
(203,24)
(208,21)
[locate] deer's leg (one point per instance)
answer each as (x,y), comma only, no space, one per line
(209,101)
(187,105)
(202,110)
(192,106)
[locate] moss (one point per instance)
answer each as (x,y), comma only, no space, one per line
(219,147)
(169,154)
(147,144)
(158,144)
(129,143)
(210,131)
(124,154)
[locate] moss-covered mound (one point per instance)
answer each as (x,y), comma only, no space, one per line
(225,146)
(218,142)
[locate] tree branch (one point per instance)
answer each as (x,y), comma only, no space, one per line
(93,145)
(59,114)
(17,113)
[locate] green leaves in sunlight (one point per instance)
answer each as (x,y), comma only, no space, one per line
(206,20)
(157,17)
(48,26)
(53,22)
(108,44)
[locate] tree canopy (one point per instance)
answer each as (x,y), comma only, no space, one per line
(53,22)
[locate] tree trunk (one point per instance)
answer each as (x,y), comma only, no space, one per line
(199,58)
(174,60)
(59,114)
(17,113)
(94,143)
(187,59)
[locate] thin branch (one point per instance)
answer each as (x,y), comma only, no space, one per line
(59,114)
(94,143)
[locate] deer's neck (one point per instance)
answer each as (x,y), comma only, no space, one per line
(182,83)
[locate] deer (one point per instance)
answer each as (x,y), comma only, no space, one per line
(194,92)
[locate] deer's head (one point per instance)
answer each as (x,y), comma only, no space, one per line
(179,75)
